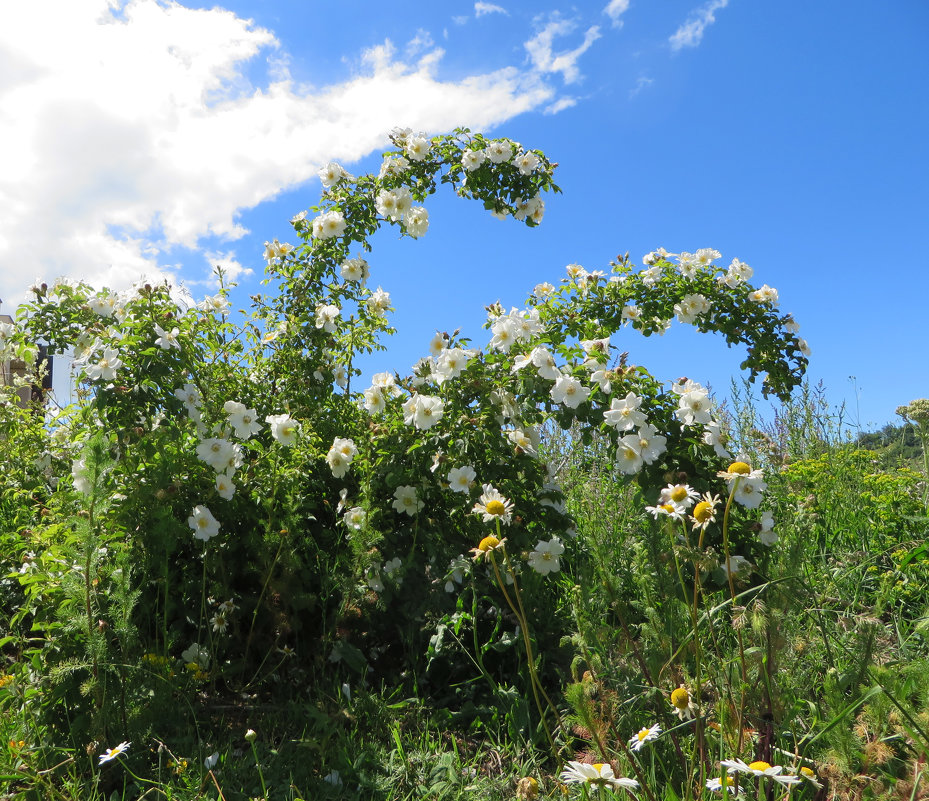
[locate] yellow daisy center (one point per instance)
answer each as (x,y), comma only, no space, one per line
(495,507)
(488,542)
(703,511)
(642,734)
(740,468)
(760,765)
(598,766)
(807,771)
(678,494)
(680,698)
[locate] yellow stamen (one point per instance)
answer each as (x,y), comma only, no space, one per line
(678,494)
(488,543)
(495,507)
(680,698)
(760,765)
(703,511)
(740,468)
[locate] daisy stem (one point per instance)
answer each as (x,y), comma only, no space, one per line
(519,601)
(732,595)
(478,656)
(698,673)
(533,680)
(264,791)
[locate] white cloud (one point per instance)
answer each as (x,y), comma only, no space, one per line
(690,33)
(480,9)
(129,131)
(231,267)
(419,43)
(545,60)
(640,84)
(615,9)
(560,105)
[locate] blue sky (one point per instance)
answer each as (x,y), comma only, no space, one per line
(154,137)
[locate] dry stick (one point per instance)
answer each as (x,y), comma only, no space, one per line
(218,790)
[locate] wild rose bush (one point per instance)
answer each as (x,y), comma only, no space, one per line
(224,497)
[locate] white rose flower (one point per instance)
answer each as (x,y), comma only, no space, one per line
(461,479)
(472,159)
(329,225)
(283,428)
(544,559)
(406,500)
(203,523)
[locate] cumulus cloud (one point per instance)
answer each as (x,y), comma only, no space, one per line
(231,268)
(690,34)
(541,48)
(480,9)
(133,129)
(615,10)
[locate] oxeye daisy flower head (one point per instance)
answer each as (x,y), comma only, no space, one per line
(704,512)
(493,506)
(682,495)
(597,775)
(486,545)
(682,703)
(739,470)
(665,510)
(111,753)
(760,768)
(808,775)
(643,736)
(722,783)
